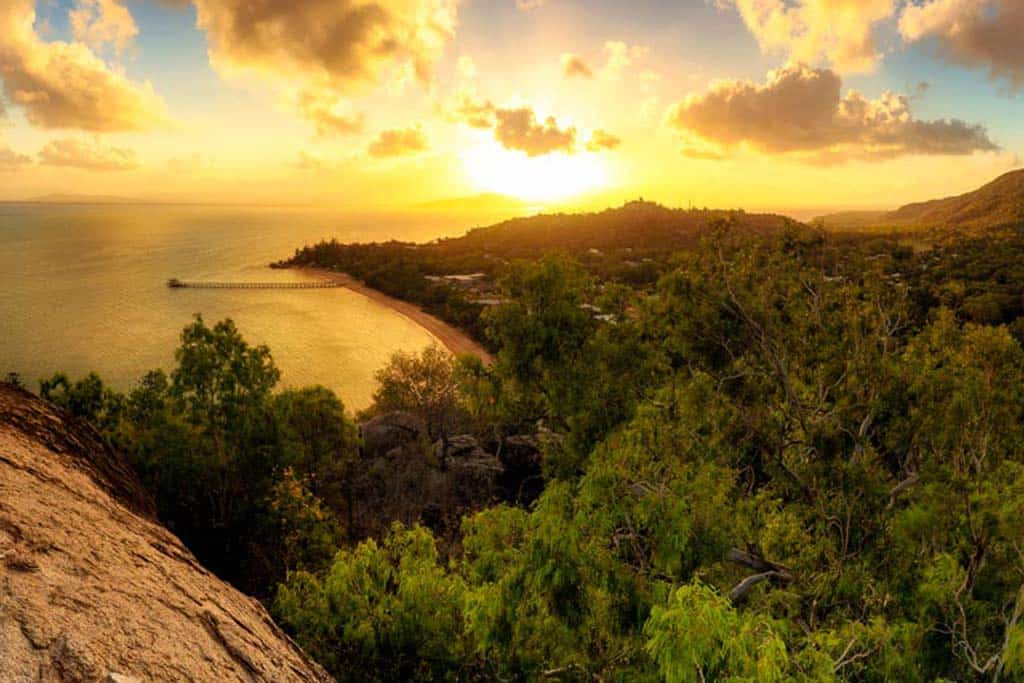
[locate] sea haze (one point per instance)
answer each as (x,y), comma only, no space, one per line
(83,287)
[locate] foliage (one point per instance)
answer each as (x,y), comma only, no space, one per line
(790,459)
(425,385)
(254,483)
(382,611)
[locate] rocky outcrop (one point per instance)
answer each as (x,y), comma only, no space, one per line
(522,479)
(389,431)
(93,589)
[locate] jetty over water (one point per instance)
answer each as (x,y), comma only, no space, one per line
(175,283)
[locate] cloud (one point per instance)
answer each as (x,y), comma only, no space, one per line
(840,32)
(574,65)
(398,142)
(601,140)
(527,5)
(471,109)
(519,129)
(800,110)
(336,45)
(701,153)
(973,33)
(322,109)
(100,22)
(11,160)
(87,156)
(620,57)
(515,128)
(65,85)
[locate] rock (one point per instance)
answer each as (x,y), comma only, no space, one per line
(114,677)
(522,452)
(389,431)
(92,589)
(461,446)
(522,456)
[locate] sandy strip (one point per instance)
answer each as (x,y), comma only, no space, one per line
(454,339)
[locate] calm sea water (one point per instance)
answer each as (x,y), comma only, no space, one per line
(84,288)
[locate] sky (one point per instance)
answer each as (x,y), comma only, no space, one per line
(785,105)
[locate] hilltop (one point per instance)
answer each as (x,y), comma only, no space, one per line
(997,204)
(455,278)
(638,225)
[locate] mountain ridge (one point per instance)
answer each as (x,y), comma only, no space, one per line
(999,203)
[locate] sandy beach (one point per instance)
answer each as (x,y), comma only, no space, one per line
(454,339)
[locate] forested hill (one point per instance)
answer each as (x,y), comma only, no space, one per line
(456,278)
(995,205)
(638,225)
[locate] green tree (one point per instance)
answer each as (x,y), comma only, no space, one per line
(384,611)
(423,384)
(320,443)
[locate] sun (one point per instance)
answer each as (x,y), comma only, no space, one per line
(492,168)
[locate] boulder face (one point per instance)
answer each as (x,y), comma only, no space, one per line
(389,431)
(92,588)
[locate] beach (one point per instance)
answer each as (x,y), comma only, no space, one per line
(452,338)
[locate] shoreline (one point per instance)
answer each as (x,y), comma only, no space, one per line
(449,336)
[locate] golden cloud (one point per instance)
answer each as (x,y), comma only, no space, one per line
(65,85)
(621,56)
(519,129)
(801,110)
(92,156)
(98,23)
(574,65)
(515,128)
(837,31)
(11,160)
(601,140)
(975,33)
(336,45)
(398,142)
(471,109)
(324,110)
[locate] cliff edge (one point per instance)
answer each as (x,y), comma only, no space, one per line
(92,588)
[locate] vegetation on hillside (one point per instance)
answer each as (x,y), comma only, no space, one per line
(996,205)
(632,245)
(789,459)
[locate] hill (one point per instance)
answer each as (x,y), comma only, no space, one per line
(93,589)
(997,204)
(455,278)
(637,225)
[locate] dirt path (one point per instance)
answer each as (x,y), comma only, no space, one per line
(454,339)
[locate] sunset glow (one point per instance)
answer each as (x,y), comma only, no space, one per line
(551,177)
(737,103)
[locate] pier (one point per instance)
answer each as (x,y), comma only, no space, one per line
(175,283)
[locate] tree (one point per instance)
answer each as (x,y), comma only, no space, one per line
(320,442)
(425,385)
(86,398)
(384,611)
(219,375)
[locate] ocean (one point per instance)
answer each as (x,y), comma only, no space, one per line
(83,288)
